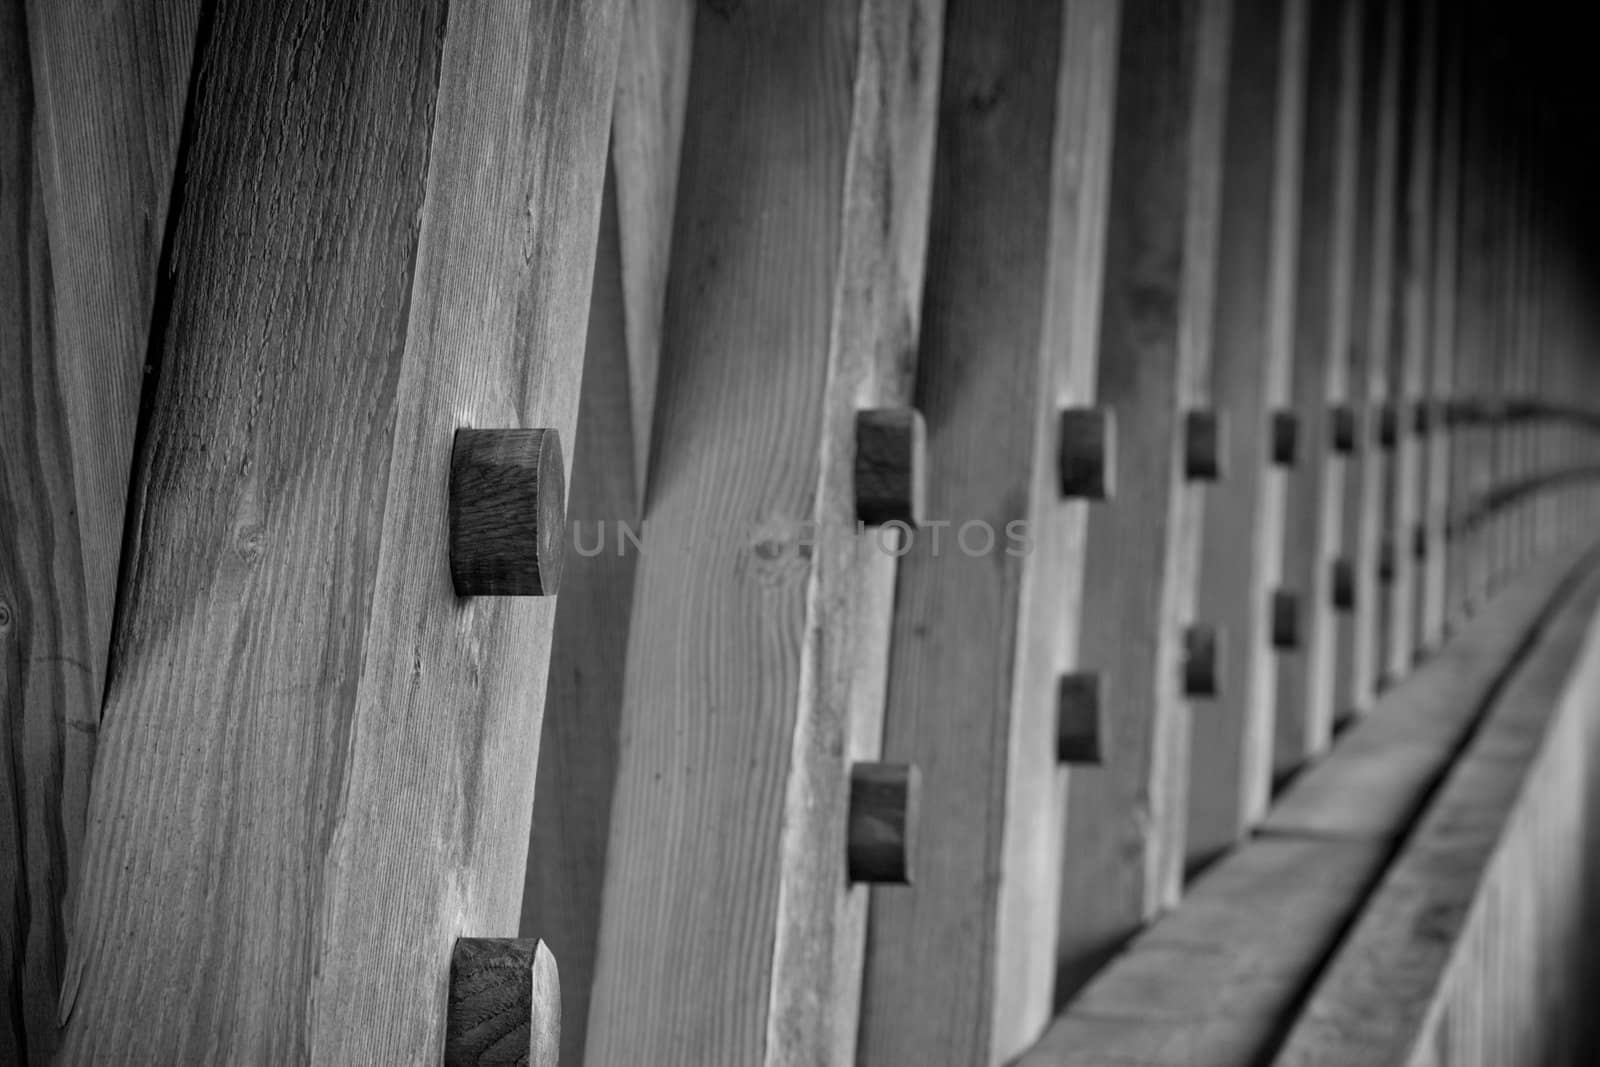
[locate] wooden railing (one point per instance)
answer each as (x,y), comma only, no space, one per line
(1057,532)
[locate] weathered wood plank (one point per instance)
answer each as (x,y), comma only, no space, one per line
(1383,768)
(1356,673)
(1013,288)
(353,787)
(1438,451)
(1414,273)
(93,102)
(730,934)
(1212,983)
(1471,871)
(1326,279)
(583,712)
(1242,533)
(1126,820)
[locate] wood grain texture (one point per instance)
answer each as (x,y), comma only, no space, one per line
(1325,281)
(1126,821)
(1212,983)
(93,100)
(1478,912)
(287,609)
(1013,289)
(1356,670)
(1230,769)
(730,934)
(505,1004)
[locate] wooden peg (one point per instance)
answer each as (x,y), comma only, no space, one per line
(1201,661)
(505,1003)
(1389,426)
(507,512)
(1387,564)
(1342,428)
(1078,730)
(1088,457)
(1203,445)
(891,450)
(885,799)
(1343,584)
(1285,620)
(1285,438)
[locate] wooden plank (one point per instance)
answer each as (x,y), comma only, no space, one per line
(1014,286)
(1383,768)
(1326,279)
(1442,359)
(1356,672)
(1213,983)
(1414,944)
(1412,326)
(356,775)
(89,124)
(583,710)
(730,933)
(1126,820)
(1242,534)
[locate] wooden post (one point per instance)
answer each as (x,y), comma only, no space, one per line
(1007,346)
(1242,542)
(91,104)
(583,709)
(358,743)
(1436,432)
(1126,820)
(1324,285)
(1356,676)
(1408,361)
(756,658)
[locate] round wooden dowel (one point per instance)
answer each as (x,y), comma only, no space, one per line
(505,1004)
(507,513)
(885,799)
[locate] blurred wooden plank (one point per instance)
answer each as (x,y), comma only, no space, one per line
(91,102)
(1213,983)
(1442,358)
(1356,673)
(1408,358)
(1384,766)
(583,709)
(1326,280)
(1242,533)
(982,631)
(730,933)
(1415,947)
(1126,819)
(355,780)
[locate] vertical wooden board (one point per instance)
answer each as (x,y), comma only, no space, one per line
(90,128)
(1021,175)
(1126,819)
(1413,327)
(355,780)
(583,700)
(1355,676)
(578,751)
(1443,338)
(1324,287)
(646,139)
(1242,531)
(792,300)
